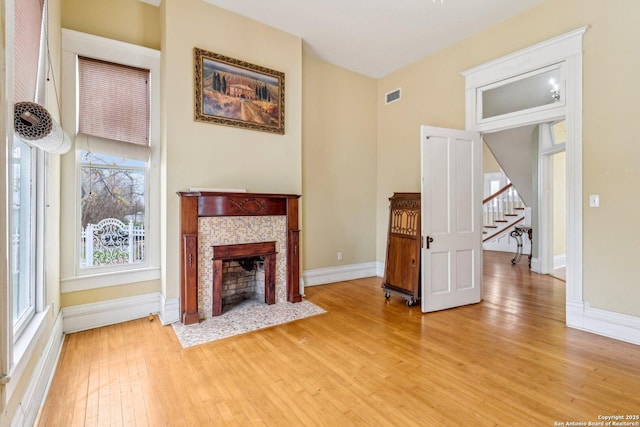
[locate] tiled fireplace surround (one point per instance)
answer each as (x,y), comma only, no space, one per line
(233,230)
(211,219)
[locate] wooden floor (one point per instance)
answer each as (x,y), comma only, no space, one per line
(509,361)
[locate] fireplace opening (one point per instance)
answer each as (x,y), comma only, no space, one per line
(242,280)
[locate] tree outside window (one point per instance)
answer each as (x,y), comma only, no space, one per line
(112,192)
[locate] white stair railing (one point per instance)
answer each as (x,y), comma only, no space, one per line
(501,210)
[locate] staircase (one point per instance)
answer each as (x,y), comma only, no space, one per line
(501,211)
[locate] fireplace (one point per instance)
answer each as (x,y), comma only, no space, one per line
(209,220)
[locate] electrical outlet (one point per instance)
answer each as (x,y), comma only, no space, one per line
(339,256)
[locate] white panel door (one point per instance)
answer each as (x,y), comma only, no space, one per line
(451,217)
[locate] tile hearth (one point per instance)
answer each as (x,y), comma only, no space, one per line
(248,316)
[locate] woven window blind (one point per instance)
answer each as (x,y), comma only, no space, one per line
(113,101)
(27,36)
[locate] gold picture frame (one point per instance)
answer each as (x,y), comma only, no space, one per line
(232,92)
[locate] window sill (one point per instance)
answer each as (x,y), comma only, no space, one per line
(103,280)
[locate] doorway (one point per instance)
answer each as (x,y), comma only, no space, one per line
(564,55)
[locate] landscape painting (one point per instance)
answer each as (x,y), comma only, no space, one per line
(235,93)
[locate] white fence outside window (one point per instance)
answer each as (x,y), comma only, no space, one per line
(111,242)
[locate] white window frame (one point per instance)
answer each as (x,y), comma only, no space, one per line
(32,222)
(38,198)
(74,278)
(16,344)
(92,270)
(540,109)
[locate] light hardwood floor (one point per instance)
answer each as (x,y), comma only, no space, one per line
(509,360)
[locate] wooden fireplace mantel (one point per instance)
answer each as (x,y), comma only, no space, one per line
(209,204)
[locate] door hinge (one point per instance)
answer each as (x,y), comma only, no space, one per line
(4,379)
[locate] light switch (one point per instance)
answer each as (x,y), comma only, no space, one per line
(594,200)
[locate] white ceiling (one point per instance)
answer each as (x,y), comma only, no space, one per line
(377,37)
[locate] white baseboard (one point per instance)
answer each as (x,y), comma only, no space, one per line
(380,269)
(506,243)
(169,310)
(88,316)
(322,276)
(619,326)
(36,391)
(536,264)
(559,261)
(499,246)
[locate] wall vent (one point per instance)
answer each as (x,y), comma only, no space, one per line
(392,96)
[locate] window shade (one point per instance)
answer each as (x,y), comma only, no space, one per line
(28,29)
(113,101)
(95,144)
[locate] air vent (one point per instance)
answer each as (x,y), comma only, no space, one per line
(392,96)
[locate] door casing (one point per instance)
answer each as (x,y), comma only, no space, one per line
(565,50)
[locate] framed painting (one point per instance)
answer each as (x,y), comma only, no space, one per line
(235,93)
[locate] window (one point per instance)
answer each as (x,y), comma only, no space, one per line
(26,172)
(113,199)
(23,223)
(111,98)
(538,89)
(113,105)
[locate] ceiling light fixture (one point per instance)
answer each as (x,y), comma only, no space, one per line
(555,90)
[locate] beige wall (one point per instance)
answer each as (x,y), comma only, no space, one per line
(433,94)
(489,163)
(130,21)
(338,165)
(428,97)
(207,155)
